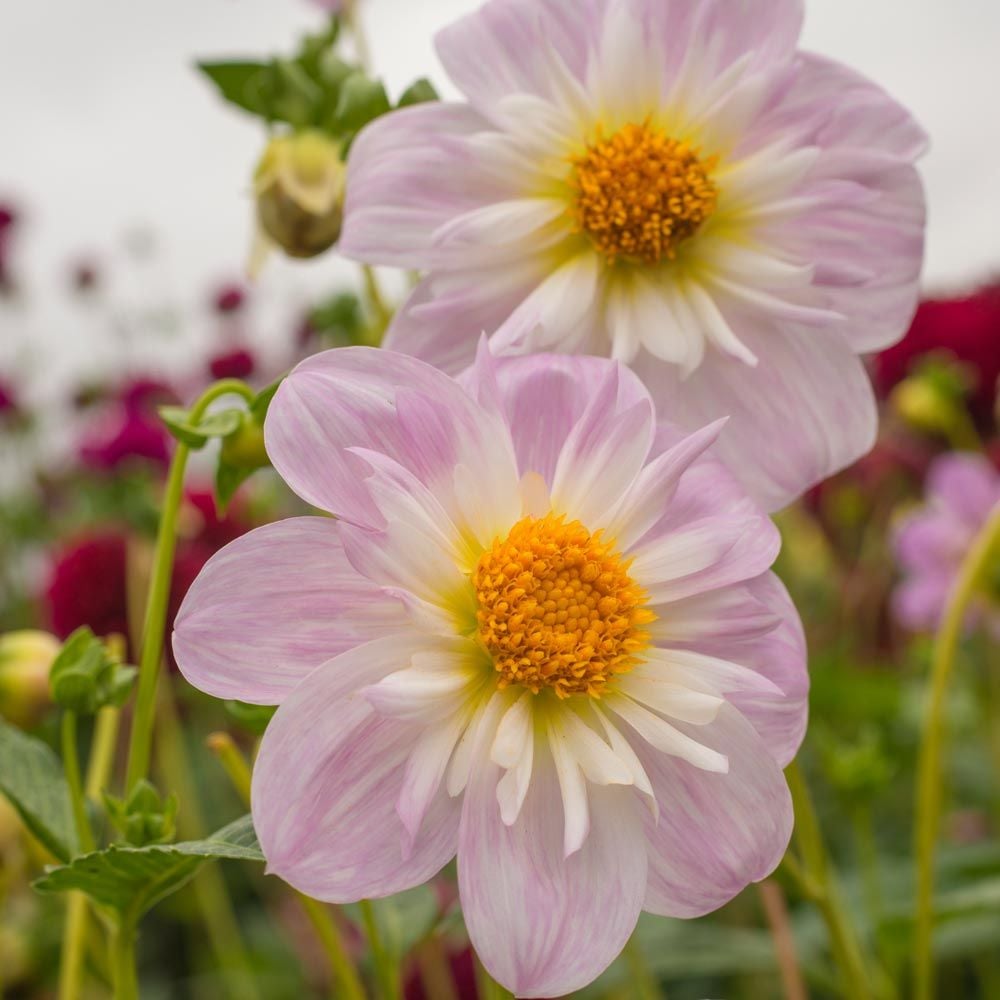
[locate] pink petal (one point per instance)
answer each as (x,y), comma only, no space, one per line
(271,606)
(545,925)
(968,485)
(756,625)
(507,47)
(409,173)
(546,396)
(359,397)
(806,411)
(327,780)
(716,832)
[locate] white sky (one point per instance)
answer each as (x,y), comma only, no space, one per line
(106,128)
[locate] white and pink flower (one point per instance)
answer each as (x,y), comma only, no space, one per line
(533,593)
(931,543)
(672,183)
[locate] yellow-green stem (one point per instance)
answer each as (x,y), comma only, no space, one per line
(377,303)
(71,765)
(344,973)
(386,972)
(644,986)
(843,942)
(155,620)
(123,963)
(983,550)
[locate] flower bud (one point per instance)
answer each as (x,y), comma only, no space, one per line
(25,660)
(299,184)
(932,399)
(244,448)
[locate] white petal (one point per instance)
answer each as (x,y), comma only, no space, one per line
(573,789)
(672,699)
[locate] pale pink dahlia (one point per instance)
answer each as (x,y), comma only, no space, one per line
(668,182)
(931,543)
(534,594)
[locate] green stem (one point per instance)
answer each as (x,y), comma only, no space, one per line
(931,746)
(102,751)
(377,303)
(159,593)
(843,941)
(643,984)
(71,764)
(123,963)
(350,986)
(73,946)
(386,973)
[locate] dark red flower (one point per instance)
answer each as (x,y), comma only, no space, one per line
(84,276)
(9,406)
(967,328)
(145,392)
(87,586)
(132,435)
(8,217)
(463,977)
(88,579)
(238,363)
(229,299)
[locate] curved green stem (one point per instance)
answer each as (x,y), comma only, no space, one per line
(843,941)
(159,593)
(386,973)
(984,549)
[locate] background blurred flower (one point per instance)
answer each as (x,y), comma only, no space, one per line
(967,329)
(25,658)
(931,543)
(671,183)
(229,299)
(237,363)
(89,577)
(465,644)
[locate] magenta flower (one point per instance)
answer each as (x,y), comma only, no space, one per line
(962,491)
(534,593)
(669,182)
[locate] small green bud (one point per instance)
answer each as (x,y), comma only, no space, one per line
(25,660)
(933,398)
(143,817)
(244,448)
(299,184)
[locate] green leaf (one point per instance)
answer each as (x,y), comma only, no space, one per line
(131,880)
(404,919)
(195,434)
(361,100)
(419,92)
(228,479)
(240,83)
(262,400)
(31,777)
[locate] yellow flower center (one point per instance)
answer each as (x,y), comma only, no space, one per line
(640,194)
(557,608)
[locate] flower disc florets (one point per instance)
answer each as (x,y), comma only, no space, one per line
(641,193)
(557,608)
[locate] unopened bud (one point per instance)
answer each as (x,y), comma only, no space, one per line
(25,660)
(299,184)
(244,448)
(923,405)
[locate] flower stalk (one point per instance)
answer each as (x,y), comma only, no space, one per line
(929,792)
(155,622)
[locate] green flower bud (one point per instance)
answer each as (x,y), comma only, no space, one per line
(144,817)
(244,448)
(299,184)
(25,660)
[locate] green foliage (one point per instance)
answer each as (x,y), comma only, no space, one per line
(418,92)
(253,718)
(85,678)
(339,320)
(131,880)
(196,434)
(360,101)
(403,920)
(243,450)
(142,817)
(32,779)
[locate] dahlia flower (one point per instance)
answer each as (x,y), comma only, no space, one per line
(931,543)
(533,594)
(668,182)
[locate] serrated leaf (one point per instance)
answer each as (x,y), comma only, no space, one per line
(32,779)
(131,880)
(241,83)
